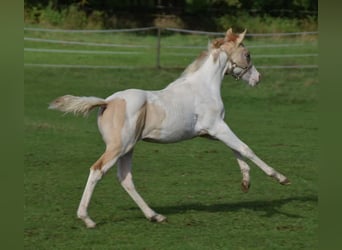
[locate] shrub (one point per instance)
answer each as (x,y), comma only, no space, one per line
(31,15)
(51,17)
(71,17)
(265,24)
(74,18)
(169,21)
(95,20)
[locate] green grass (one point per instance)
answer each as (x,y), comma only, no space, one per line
(196,183)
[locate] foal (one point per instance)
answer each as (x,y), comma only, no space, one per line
(188,107)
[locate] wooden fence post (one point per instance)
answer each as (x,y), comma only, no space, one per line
(158,48)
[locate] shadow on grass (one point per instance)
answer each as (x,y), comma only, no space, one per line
(270,207)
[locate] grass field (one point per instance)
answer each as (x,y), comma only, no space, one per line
(196,183)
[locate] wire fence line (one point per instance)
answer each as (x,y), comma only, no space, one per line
(197,32)
(32,39)
(146,48)
(91,31)
(78,66)
(138,52)
(97,52)
(248,34)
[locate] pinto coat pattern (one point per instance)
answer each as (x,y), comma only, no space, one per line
(188,107)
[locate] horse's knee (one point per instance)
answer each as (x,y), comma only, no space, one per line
(246,152)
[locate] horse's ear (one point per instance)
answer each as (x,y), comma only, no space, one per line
(240,37)
(236,38)
(230,36)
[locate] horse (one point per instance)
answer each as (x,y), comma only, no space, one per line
(191,106)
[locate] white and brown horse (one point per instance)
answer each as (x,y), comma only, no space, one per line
(188,107)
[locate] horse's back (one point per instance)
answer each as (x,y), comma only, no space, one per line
(133,97)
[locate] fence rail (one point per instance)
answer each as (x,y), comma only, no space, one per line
(77,66)
(91,31)
(138,52)
(197,32)
(86,43)
(32,39)
(155,48)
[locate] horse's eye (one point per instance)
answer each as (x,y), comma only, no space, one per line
(248,56)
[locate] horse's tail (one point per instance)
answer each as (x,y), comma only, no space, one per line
(77,104)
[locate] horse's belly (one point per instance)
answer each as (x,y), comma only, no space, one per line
(169,131)
(168,136)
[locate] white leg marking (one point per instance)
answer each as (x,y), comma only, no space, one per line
(126,180)
(94,176)
(245,184)
(222,132)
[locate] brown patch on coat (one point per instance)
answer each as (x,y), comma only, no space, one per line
(217,43)
(154,117)
(107,156)
(227,46)
(232,37)
(140,122)
(111,122)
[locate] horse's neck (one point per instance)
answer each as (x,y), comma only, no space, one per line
(207,79)
(210,75)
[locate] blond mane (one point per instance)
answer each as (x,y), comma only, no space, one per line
(195,65)
(199,61)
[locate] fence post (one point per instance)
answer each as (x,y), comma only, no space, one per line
(158,47)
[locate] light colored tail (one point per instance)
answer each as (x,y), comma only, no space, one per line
(77,104)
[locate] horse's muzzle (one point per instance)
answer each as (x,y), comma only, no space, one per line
(254,80)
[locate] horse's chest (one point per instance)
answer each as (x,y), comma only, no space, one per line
(211,108)
(208,113)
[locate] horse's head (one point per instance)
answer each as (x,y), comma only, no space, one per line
(238,63)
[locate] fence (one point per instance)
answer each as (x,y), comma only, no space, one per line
(155,47)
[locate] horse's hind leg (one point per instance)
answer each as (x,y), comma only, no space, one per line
(126,180)
(245,183)
(99,168)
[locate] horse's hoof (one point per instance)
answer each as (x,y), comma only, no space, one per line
(285,182)
(90,224)
(245,185)
(158,218)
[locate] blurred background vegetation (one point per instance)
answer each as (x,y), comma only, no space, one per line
(213,15)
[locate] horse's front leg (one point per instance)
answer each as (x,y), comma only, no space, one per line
(245,183)
(222,132)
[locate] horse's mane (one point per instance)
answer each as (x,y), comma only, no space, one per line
(199,61)
(195,65)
